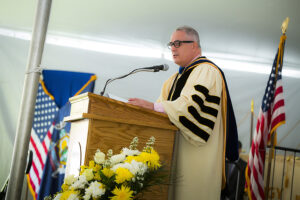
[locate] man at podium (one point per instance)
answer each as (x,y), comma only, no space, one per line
(197,101)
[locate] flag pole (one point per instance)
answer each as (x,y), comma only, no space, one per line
(32,76)
(251,123)
(273,134)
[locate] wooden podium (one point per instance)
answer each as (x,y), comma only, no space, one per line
(99,122)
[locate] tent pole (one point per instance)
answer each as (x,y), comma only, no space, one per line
(251,123)
(22,138)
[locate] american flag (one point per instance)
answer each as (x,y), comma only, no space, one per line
(41,133)
(271,116)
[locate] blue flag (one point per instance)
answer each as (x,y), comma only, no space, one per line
(50,135)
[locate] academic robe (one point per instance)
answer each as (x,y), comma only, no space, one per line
(196,102)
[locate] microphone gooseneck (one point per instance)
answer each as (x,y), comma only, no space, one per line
(155,68)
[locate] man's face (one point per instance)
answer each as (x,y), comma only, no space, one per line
(184,54)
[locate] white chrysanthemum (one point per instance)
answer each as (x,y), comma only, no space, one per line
(99,157)
(137,167)
(88,173)
(73,197)
(87,196)
(130,152)
(115,159)
(95,190)
(120,165)
(69,180)
(80,183)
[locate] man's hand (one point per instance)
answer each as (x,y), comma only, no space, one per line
(141,103)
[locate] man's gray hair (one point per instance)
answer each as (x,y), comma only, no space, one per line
(191,32)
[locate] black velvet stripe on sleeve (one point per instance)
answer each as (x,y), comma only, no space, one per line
(193,128)
(208,98)
(201,120)
(205,109)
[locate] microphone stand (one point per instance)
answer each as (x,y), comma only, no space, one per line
(132,72)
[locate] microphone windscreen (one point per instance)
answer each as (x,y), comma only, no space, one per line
(165,67)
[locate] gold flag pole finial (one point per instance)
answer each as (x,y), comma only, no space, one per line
(284,25)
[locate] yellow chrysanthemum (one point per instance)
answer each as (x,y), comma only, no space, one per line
(97,176)
(151,159)
(65,195)
(82,168)
(92,165)
(143,157)
(108,172)
(123,175)
(130,158)
(124,193)
(64,187)
(97,167)
(154,160)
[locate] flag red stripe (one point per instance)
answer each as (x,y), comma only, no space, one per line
(257,126)
(36,172)
(278,104)
(32,184)
(37,152)
(278,119)
(268,121)
(256,178)
(254,173)
(49,134)
(278,90)
(44,147)
(253,196)
(44,144)
(261,191)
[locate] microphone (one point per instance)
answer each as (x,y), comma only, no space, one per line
(157,68)
(154,68)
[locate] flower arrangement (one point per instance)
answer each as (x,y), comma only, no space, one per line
(123,176)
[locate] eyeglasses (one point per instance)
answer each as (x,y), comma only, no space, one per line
(177,43)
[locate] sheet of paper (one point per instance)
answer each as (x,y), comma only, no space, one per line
(112,96)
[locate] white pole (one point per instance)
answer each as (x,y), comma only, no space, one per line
(29,94)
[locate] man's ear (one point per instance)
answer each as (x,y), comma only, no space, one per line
(195,45)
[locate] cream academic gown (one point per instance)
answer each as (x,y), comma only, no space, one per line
(197,113)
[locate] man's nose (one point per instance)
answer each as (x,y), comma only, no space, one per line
(173,48)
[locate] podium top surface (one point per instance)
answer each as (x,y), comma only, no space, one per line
(93,106)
